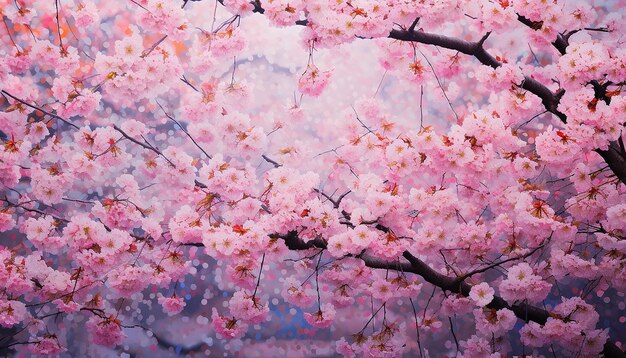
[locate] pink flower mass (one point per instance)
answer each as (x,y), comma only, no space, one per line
(290,178)
(482,294)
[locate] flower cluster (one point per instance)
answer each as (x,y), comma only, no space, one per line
(522,284)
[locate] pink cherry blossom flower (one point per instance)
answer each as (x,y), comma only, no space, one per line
(241,7)
(47,345)
(248,307)
(313,81)
(105,331)
(477,346)
(382,290)
(430,322)
(86,14)
(490,322)
(521,283)
(158,145)
(6,221)
(172,305)
(322,318)
(12,312)
(128,280)
(482,294)
(297,294)
(456,304)
(344,348)
(228,327)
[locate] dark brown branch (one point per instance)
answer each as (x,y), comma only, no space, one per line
(465,47)
(613,157)
(295,243)
(561,41)
(550,100)
(414,265)
(200,185)
(33,210)
(337,202)
(271,161)
(412,27)
(419,267)
(186,81)
(40,109)
(616,159)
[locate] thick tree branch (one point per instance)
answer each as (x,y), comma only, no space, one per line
(550,100)
(561,41)
(414,265)
(615,157)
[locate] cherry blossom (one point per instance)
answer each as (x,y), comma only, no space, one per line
(47,346)
(482,294)
(105,331)
(312,178)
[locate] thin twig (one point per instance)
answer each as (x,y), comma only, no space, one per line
(40,109)
(184,131)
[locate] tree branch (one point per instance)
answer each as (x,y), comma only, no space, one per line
(144,145)
(40,109)
(550,100)
(184,130)
(273,162)
(616,159)
(414,265)
(561,41)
